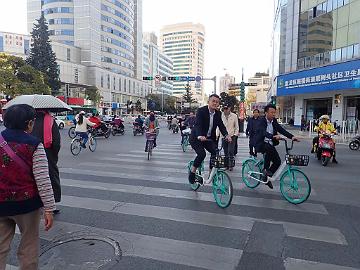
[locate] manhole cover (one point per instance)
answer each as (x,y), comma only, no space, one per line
(80,252)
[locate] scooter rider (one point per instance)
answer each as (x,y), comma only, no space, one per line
(324,127)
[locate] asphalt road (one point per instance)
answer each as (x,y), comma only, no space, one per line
(121,211)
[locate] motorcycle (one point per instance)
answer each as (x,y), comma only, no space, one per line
(137,129)
(325,149)
(98,132)
(175,128)
(354,144)
(117,128)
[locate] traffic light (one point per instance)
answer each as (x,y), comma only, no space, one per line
(242,95)
(273,100)
(148,78)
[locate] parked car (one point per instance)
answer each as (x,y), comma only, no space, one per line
(60,123)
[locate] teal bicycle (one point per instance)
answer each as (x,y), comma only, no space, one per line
(185,142)
(222,187)
(294,184)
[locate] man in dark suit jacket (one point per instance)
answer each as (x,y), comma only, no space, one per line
(203,134)
(267,137)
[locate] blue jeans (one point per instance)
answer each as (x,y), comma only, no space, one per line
(84,136)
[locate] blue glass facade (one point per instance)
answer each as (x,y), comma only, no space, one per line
(1,44)
(26,46)
(52,1)
(58,10)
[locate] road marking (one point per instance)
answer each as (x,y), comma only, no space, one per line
(237,182)
(198,196)
(303,231)
(298,264)
(157,248)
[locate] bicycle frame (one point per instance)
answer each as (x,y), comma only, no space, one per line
(279,171)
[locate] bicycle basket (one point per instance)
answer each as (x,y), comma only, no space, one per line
(222,162)
(297,160)
(150,136)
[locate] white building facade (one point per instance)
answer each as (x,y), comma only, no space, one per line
(156,63)
(104,39)
(15,44)
(225,82)
(185,44)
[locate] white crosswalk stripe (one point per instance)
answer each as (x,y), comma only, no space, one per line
(165,177)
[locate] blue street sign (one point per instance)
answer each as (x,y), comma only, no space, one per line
(198,78)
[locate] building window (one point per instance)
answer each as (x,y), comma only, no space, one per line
(338,55)
(119,84)
(108,81)
(356,51)
(68,54)
(114,85)
(102,81)
(124,85)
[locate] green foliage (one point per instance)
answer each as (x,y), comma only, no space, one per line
(42,56)
(18,78)
(169,102)
(188,96)
(231,101)
(92,93)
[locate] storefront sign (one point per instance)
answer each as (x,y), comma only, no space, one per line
(340,76)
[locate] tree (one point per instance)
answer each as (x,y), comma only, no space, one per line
(18,78)
(188,96)
(92,93)
(231,101)
(170,104)
(138,106)
(42,56)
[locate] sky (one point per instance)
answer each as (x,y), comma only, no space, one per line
(238,32)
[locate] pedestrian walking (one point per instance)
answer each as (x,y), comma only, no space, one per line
(25,187)
(47,131)
(230,121)
(252,127)
(303,123)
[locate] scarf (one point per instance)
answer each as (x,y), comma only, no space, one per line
(48,124)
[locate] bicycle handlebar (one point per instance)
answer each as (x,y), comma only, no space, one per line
(286,144)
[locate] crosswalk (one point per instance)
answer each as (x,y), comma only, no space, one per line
(149,209)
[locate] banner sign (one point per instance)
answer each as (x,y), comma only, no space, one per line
(340,76)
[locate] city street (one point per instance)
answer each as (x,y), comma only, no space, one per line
(121,211)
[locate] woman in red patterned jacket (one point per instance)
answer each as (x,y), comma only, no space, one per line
(25,187)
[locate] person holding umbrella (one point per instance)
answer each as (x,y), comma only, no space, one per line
(47,131)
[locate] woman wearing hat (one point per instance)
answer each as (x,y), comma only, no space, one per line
(327,127)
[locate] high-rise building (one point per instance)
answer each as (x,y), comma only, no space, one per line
(225,82)
(107,34)
(157,63)
(256,96)
(184,43)
(315,63)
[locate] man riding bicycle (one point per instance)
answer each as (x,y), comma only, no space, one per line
(266,139)
(203,135)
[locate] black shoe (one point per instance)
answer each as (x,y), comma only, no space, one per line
(83,145)
(264,177)
(269,184)
(192,177)
(334,161)
(56,211)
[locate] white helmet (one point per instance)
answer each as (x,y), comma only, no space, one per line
(82,112)
(325,116)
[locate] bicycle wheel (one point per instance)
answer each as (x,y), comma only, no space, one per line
(92,144)
(222,189)
(72,133)
(75,147)
(185,143)
(196,185)
(295,186)
(354,145)
(250,165)
(150,148)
